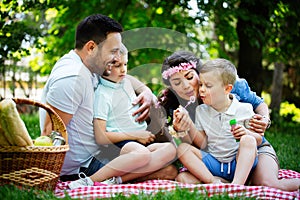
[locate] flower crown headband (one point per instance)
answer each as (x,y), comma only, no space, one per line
(182,66)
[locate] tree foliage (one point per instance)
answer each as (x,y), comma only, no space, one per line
(22,25)
(251,33)
(256,35)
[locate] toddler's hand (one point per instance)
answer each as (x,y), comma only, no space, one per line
(238,131)
(145,137)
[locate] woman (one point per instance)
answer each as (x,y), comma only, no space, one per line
(183,83)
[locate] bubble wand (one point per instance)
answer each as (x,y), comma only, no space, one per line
(192,100)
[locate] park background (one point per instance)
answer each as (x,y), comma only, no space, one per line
(260,37)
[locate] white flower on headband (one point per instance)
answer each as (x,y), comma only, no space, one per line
(182,66)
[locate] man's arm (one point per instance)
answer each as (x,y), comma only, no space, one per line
(66,118)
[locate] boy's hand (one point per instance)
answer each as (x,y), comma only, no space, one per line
(144,137)
(238,131)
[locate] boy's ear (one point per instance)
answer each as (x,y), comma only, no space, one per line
(228,88)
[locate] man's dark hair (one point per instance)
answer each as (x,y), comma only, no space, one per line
(96,28)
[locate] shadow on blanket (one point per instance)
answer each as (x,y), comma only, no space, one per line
(153,186)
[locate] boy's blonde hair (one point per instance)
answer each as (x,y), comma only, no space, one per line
(123,50)
(225,68)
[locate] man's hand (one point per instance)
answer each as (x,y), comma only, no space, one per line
(145,99)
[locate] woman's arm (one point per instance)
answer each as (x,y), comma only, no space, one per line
(243,93)
(198,137)
(183,122)
(261,120)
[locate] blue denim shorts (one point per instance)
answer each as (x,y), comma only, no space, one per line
(122,143)
(223,170)
(93,167)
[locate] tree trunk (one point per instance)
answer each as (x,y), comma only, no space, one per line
(277,88)
(251,38)
(4,80)
(249,63)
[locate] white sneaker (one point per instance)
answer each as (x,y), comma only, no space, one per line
(111,181)
(82,182)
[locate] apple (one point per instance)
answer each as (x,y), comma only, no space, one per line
(43,141)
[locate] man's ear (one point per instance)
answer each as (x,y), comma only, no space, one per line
(228,88)
(90,46)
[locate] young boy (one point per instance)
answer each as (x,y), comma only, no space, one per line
(225,157)
(114,123)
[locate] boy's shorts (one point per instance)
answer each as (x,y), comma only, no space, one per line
(122,143)
(223,170)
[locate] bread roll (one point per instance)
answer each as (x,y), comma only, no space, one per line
(14,128)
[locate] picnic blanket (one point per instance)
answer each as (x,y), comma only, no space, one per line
(151,187)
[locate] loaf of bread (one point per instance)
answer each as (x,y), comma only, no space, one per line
(3,140)
(13,126)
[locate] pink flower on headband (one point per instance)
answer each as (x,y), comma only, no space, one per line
(182,66)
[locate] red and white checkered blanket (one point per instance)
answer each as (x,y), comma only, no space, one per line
(153,186)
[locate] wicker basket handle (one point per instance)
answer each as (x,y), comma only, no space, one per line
(57,123)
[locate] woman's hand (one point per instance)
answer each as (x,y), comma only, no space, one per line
(258,124)
(181,119)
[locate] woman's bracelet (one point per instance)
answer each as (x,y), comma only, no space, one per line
(182,133)
(269,121)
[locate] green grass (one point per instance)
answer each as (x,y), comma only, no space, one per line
(284,137)
(32,124)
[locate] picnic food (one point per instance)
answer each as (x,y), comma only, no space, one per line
(43,141)
(3,140)
(13,126)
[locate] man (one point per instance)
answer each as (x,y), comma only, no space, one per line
(70,92)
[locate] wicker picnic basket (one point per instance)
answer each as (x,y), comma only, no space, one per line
(34,166)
